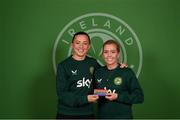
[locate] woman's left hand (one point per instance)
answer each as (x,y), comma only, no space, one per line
(111,96)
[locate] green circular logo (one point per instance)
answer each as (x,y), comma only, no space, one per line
(100,27)
(117,81)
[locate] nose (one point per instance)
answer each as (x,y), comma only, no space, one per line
(80,45)
(109,54)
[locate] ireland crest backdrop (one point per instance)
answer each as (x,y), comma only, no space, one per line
(36,35)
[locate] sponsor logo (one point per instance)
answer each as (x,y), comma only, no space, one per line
(109,90)
(74,72)
(84,82)
(99,80)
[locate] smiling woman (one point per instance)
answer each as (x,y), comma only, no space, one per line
(80,46)
(111,52)
(122,86)
(74,81)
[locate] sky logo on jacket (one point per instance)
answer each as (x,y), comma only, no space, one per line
(109,90)
(84,82)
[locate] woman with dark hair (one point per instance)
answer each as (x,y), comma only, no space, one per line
(74,81)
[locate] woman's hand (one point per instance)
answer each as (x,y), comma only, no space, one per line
(123,65)
(92,98)
(111,96)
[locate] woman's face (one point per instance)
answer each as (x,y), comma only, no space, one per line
(110,54)
(80,45)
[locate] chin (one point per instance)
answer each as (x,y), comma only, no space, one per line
(109,63)
(81,55)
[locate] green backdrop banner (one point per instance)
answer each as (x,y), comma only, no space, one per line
(36,34)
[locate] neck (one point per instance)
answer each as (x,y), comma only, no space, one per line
(113,66)
(79,58)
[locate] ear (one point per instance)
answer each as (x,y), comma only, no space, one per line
(71,45)
(89,47)
(118,54)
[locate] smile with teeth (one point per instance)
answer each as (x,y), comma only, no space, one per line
(109,59)
(80,50)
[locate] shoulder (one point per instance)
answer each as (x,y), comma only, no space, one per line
(100,70)
(91,59)
(128,71)
(65,62)
(93,62)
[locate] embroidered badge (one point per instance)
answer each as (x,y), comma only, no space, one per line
(117,81)
(91,69)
